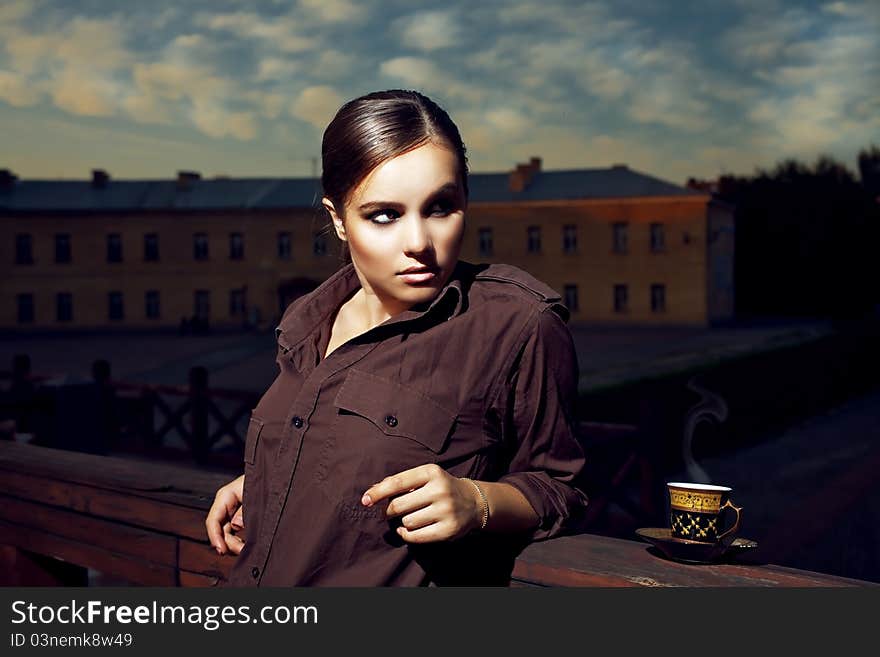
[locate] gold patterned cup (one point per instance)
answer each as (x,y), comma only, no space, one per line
(696,510)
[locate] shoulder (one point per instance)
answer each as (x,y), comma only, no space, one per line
(510,283)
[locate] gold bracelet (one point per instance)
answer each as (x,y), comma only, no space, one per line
(485,502)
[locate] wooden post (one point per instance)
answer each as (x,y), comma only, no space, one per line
(199,409)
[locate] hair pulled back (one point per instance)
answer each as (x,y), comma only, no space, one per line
(377,127)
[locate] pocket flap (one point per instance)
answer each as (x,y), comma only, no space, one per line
(395,409)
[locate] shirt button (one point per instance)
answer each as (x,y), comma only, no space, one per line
(391,421)
(297,421)
(255,572)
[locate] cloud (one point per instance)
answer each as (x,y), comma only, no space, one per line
(334,11)
(333,64)
(215,121)
(421,73)
(76,65)
(276,68)
(508,122)
(79,93)
(429,30)
(281,33)
(17,91)
(145,108)
(761,38)
(820,85)
(11,12)
(317,105)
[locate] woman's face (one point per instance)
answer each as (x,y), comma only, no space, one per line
(404,224)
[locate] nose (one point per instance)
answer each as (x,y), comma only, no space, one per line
(416,237)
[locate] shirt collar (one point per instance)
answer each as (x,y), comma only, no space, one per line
(296,327)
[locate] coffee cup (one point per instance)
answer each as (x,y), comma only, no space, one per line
(696,512)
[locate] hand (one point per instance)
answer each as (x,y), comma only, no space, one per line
(435,505)
(226,518)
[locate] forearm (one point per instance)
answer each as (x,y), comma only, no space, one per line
(509,510)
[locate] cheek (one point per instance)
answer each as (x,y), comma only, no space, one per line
(449,236)
(372,246)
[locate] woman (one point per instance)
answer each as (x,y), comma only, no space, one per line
(421,429)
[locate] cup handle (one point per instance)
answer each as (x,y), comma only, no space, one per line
(735,528)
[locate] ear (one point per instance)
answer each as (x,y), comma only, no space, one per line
(337,220)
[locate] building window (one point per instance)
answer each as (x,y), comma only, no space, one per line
(64,306)
(24,253)
(284,246)
(62,247)
(200,246)
(151,247)
(25,303)
(658,298)
(319,244)
(151,304)
(114,247)
(533,240)
(115,309)
(236,303)
(571,297)
(621,299)
(202,304)
(569,239)
(236,246)
(485,237)
(619,237)
(658,238)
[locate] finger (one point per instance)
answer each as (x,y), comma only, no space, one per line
(420,518)
(401,482)
(409,502)
(238,519)
(214,526)
(233,542)
(428,534)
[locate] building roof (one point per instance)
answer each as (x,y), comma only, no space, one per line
(278,193)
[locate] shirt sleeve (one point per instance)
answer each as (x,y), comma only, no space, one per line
(540,428)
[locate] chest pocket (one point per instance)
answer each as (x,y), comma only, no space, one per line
(381,428)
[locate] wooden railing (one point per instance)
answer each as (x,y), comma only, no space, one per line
(143,523)
(177,422)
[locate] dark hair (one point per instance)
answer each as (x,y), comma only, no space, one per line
(377,127)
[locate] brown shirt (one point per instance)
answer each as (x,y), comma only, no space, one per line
(482,381)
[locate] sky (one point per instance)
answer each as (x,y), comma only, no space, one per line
(226,87)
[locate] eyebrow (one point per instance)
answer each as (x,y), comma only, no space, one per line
(379,205)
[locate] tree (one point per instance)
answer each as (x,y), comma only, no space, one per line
(805,239)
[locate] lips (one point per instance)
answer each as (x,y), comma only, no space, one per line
(418,270)
(418,275)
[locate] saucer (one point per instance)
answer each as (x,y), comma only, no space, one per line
(682,549)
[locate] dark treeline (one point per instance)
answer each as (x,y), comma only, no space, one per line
(807,238)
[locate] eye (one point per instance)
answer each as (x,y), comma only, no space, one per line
(383,217)
(441,208)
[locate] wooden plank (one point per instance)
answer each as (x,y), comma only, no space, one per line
(104,503)
(527,573)
(23,568)
(134,570)
(202,558)
(141,543)
(182,485)
(601,558)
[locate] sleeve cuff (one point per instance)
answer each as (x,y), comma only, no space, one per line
(561,508)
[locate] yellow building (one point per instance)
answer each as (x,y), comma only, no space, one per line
(619,246)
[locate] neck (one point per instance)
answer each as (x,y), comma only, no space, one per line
(370,309)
